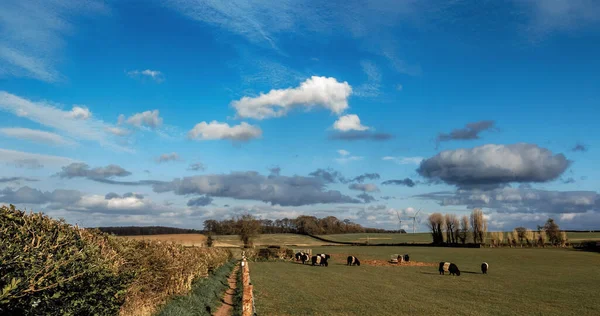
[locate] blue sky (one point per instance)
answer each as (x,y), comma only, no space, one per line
(465,104)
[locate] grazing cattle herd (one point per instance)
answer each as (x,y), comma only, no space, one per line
(322,260)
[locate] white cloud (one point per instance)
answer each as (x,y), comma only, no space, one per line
(48,115)
(153,74)
(34,35)
(346,157)
(118,131)
(36,136)
(149,119)
(567,216)
(324,92)
(215,130)
(343,152)
(404,160)
(81,113)
(350,122)
(32,160)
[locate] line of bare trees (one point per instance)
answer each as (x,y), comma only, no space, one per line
(450,229)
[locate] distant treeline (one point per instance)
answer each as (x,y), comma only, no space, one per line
(300,225)
(147,230)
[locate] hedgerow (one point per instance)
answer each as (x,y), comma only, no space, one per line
(48,267)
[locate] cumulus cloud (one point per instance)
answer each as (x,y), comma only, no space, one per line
(150,119)
(112,204)
(406,182)
(404,160)
(27,195)
(363,177)
(280,190)
(37,136)
(328,175)
(215,130)
(48,115)
(167,157)
(113,195)
(365,187)
(350,122)
(316,91)
(360,135)
(494,164)
(200,201)
(470,131)
(198,166)
(82,170)
(80,113)
(152,74)
(27,160)
(366,198)
(520,200)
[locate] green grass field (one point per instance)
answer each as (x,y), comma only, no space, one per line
(521,281)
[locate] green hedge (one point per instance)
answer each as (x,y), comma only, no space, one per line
(48,267)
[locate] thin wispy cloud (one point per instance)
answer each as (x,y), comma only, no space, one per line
(346,157)
(404,160)
(28,160)
(62,121)
(35,33)
(147,73)
(37,136)
(168,157)
(371,88)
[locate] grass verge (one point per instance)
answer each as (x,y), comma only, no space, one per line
(237,298)
(205,296)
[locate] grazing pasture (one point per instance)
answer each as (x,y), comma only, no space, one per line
(520,281)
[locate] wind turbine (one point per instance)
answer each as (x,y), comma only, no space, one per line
(414,219)
(399,222)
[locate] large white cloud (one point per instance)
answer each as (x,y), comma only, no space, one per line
(350,122)
(316,91)
(494,164)
(215,130)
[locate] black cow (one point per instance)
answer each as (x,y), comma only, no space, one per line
(299,256)
(449,267)
(323,255)
(305,257)
(406,258)
(352,260)
(484,267)
(318,260)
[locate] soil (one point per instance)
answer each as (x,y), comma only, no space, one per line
(227,308)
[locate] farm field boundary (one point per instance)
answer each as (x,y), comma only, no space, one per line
(469,245)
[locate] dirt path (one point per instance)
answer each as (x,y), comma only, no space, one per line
(227,308)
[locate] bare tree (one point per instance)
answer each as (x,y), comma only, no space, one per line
(435,224)
(463,233)
(451,228)
(479,226)
(529,237)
